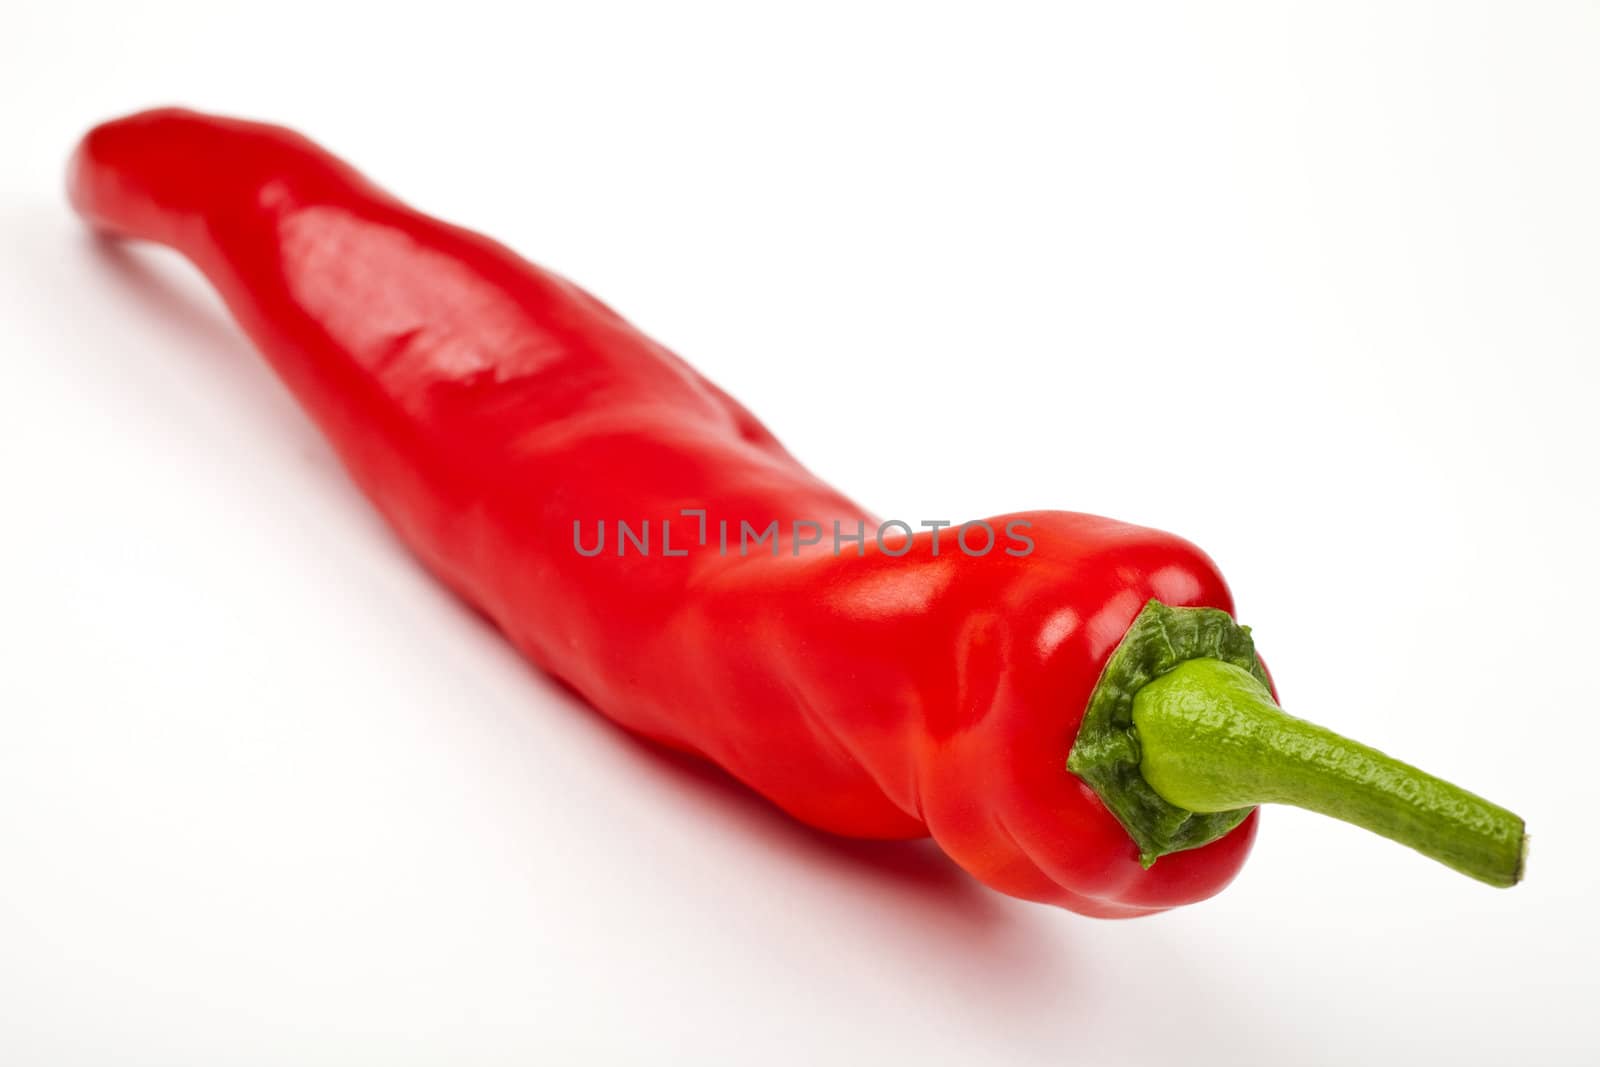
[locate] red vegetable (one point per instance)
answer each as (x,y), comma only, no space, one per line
(501,418)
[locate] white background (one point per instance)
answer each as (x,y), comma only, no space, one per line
(1314,289)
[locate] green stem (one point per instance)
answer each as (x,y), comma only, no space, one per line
(1211,739)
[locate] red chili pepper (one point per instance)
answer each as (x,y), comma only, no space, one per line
(501,418)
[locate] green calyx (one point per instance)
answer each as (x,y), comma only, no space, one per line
(1182,737)
(1107,753)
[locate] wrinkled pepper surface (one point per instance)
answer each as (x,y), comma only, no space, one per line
(1071,714)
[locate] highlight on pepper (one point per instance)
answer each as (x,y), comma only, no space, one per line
(1082,723)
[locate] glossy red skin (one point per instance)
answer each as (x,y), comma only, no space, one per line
(483,404)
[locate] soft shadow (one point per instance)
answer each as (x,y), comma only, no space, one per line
(975,919)
(162,288)
(135,270)
(918,868)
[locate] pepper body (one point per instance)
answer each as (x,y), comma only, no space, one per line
(485,405)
